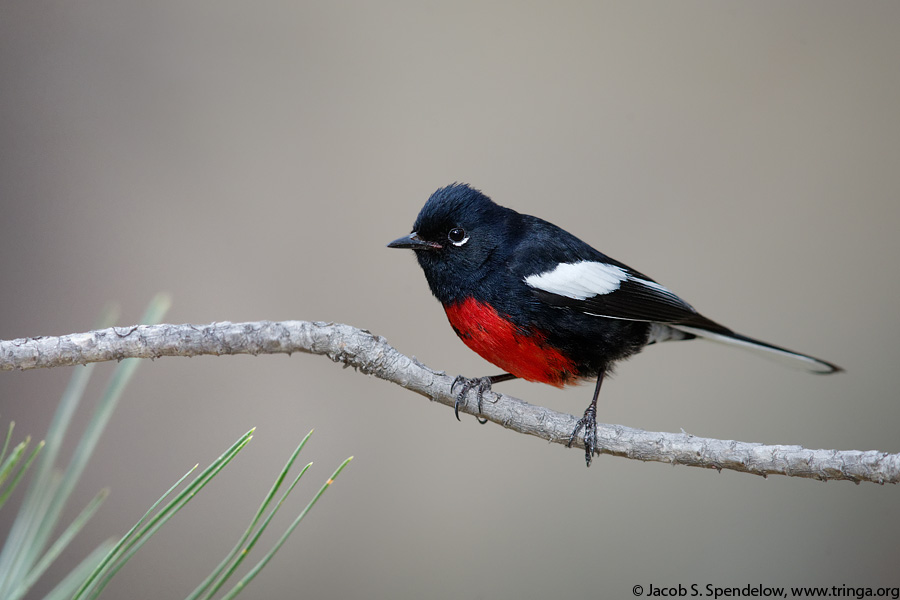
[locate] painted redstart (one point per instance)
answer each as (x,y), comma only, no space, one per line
(544,306)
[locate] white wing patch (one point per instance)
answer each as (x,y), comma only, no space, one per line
(585,279)
(580,280)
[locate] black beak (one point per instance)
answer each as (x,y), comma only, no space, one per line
(414,242)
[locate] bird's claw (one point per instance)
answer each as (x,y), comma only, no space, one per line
(479,384)
(589,423)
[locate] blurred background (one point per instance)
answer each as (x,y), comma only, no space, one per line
(254,158)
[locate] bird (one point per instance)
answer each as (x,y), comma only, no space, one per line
(544,306)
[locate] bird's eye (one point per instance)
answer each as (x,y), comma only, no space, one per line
(457,236)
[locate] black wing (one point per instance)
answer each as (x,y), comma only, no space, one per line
(594,284)
(635,299)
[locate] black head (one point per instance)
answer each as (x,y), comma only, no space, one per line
(458,237)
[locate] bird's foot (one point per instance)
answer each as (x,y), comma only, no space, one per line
(479,384)
(589,423)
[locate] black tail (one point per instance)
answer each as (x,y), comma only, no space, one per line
(789,358)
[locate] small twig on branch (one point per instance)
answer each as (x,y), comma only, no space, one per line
(371,354)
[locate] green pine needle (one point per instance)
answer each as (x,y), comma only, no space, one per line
(12,425)
(239,587)
(140,534)
(66,588)
(10,463)
(216,579)
(26,556)
(61,542)
(25,552)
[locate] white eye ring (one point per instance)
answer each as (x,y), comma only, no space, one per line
(457,236)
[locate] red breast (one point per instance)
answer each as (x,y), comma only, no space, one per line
(523,352)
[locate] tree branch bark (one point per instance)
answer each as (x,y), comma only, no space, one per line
(372,355)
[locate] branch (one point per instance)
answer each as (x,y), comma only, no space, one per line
(372,355)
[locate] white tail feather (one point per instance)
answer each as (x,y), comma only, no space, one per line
(782,356)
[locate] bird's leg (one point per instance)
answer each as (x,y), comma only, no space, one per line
(589,423)
(481,385)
